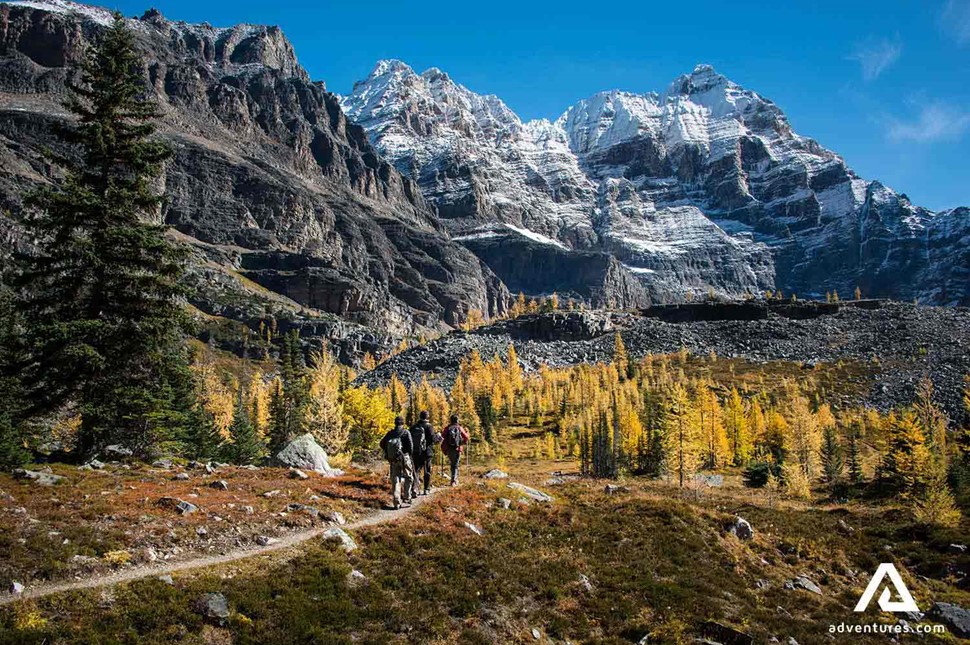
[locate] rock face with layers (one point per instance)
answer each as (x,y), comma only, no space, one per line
(703,187)
(270,184)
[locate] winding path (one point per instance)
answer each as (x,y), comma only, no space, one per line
(158,569)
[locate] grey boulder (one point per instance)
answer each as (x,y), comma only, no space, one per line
(336,533)
(304,453)
(742,528)
(801,582)
(44,479)
(214,608)
(117,451)
(955,617)
(531,493)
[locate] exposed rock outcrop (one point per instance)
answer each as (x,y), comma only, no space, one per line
(270,183)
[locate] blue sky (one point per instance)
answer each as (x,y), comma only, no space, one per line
(885,84)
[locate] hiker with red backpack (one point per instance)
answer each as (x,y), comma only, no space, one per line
(398,448)
(455,437)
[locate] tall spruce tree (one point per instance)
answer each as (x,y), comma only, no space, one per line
(833,462)
(104,325)
(854,437)
(247,446)
(12,435)
(290,401)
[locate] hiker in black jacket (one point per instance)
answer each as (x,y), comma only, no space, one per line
(453,438)
(397,448)
(423,438)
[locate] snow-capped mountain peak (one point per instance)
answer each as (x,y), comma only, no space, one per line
(607,118)
(704,185)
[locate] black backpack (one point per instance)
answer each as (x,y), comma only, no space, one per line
(394,449)
(420,441)
(453,436)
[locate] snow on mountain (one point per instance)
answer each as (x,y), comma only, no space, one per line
(703,186)
(86,12)
(471,152)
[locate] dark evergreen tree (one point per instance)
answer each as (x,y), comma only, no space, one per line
(854,457)
(278,428)
(487,416)
(757,472)
(101,295)
(652,452)
(959,474)
(289,401)
(12,435)
(832,460)
(203,440)
(603,459)
(247,446)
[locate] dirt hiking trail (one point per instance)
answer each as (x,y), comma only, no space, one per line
(383,516)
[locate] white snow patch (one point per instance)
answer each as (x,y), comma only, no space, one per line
(96,14)
(638,270)
(536,237)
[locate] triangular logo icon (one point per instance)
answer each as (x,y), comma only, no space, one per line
(905,602)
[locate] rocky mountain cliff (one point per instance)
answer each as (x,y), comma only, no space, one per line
(705,186)
(288,208)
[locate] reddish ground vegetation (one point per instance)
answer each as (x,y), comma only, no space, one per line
(56,532)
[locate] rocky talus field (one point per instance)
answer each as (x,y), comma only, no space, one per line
(889,346)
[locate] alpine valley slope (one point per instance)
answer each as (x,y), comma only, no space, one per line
(290,212)
(705,186)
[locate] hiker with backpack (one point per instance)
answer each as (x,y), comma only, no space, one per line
(454,438)
(398,448)
(424,439)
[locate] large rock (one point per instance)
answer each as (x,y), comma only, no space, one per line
(116,451)
(559,325)
(42,478)
(336,533)
(955,617)
(742,528)
(802,582)
(531,493)
(214,608)
(306,454)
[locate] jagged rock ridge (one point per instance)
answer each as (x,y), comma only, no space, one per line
(270,183)
(703,186)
